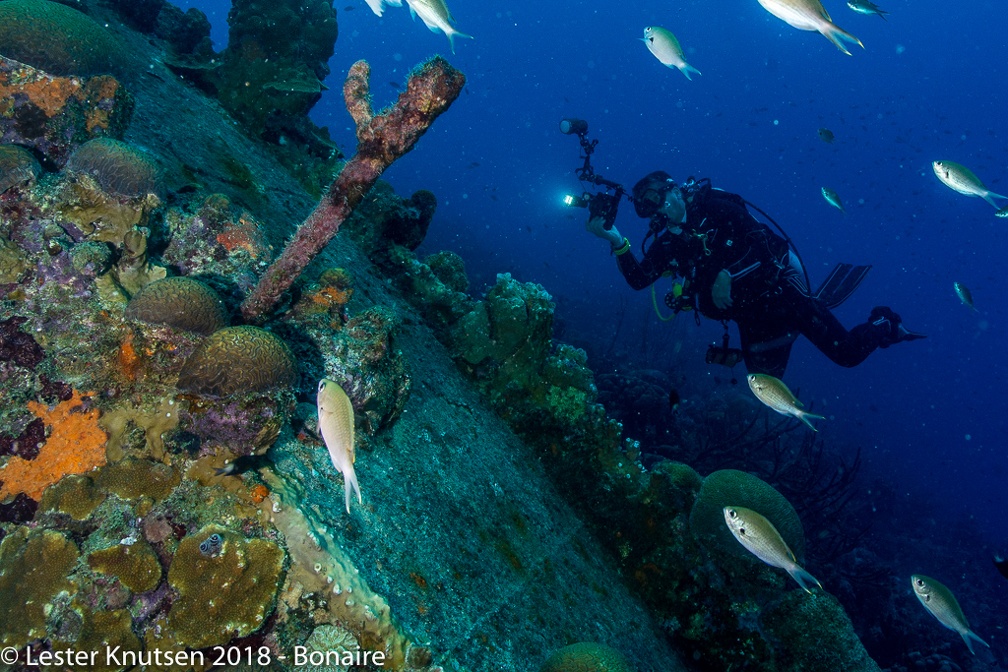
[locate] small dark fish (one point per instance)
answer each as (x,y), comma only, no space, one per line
(348,8)
(826,135)
(242,464)
(674,399)
(1002,565)
(395,85)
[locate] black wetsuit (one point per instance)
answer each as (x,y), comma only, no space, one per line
(770,302)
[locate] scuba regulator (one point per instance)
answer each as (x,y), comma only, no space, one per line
(605,203)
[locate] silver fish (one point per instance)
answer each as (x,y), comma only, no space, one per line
(959,178)
(1002,212)
(964,294)
(867,7)
(833,199)
(810,15)
(762,539)
(666,49)
(942,604)
(435,15)
(336,423)
(378,6)
(775,394)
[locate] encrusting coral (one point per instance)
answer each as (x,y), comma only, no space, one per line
(75,445)
(381,139)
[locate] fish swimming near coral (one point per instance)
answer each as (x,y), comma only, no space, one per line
(665,47)
(810,15)
(942,604)
(775,394)
(958,177)
(761,538)
(435,15)
(336,423)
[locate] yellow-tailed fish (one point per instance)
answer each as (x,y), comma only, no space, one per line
(833,199)
(942,604)
(867,7)
(964,294)
(810,15)
(762,539)
(378,6)
(826,135)
(958,177)
(435,15)
(775,394)
(666,49)
(336,423)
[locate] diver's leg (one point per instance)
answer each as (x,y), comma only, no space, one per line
(823,329)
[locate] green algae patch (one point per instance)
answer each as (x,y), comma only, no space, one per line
(33,570)
(75,496)
(226,593)
(134,478)
(136,566)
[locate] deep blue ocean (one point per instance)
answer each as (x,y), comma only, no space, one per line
(929,416)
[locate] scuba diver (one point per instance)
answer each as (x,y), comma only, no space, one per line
(735,268)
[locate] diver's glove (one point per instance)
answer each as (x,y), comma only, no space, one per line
(596,226)
(721,291)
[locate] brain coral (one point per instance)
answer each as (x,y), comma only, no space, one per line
(17,165)
(730,487)
(179,302)
(56,38)
(237,360)
(118,168)
(587,657)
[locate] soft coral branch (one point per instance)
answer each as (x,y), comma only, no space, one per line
(381,139)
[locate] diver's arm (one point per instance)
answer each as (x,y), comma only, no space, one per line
(657,260)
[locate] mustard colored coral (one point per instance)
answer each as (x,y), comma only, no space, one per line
(75,445)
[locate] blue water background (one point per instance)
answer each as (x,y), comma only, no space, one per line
(930,416)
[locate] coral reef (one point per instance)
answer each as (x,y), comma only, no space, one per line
(75,444)
(17,166)
(35,567)
(586,657)
(53,115)
(181,303)
(238,360)
(119,169)
(384,219)
(135,565)
(223,596)
(381,139)
(57,39)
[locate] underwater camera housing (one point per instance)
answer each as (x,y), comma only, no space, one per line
(605,203)
(722,354)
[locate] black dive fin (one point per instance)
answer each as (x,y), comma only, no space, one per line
(840,284)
